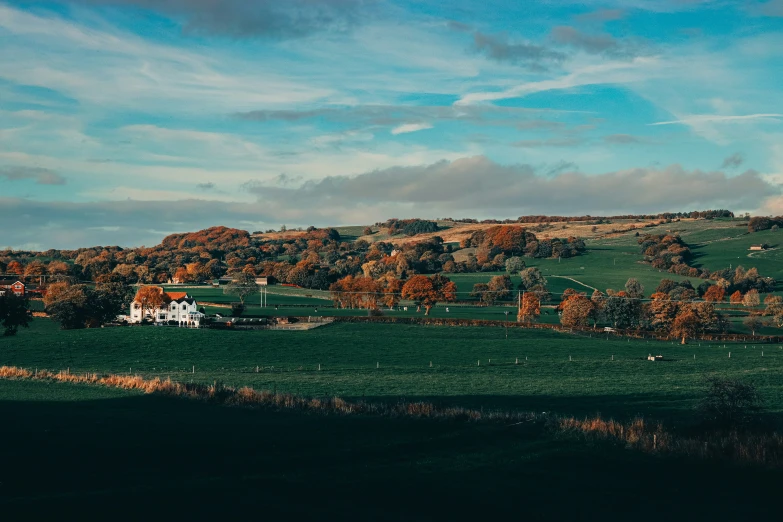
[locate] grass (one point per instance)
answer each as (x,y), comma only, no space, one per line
(638,434)
(129,456)
(349,353)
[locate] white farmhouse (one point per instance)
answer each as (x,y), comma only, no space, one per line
(180,307)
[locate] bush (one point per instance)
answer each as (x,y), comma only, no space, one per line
(374,312)
(237,309)
(730,402)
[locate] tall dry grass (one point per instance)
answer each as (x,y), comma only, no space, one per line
(641,435)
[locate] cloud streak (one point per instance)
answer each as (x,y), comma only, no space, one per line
(717,118)
(410,127)
(278,19)
(39,175)
(499,48)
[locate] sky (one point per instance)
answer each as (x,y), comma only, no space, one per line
(122,121)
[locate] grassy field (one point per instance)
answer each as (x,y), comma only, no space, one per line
(88,453)
(389,362)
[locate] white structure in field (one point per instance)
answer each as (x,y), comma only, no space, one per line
(180,308)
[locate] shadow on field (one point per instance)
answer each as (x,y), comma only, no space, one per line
(131,457)
(671,409)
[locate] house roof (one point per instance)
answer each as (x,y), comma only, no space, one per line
(176,296)
(188,300)
(9,282)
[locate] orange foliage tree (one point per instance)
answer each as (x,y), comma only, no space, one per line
(736,297)
(686,324)
(662,311)
(15,267)
(428,291)
(529,309)
(391,290)
(577,311)
(150,299)
(715,294)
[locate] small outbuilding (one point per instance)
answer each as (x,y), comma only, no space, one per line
(762,246)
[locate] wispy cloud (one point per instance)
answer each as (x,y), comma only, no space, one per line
(717,118)
(608,72)
(601,15)
(622,139)
(410,127)
(594,43)
(255,18)
(733,161)
(498,47)
(39,175)
(552,142)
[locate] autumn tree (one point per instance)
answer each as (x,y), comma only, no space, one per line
(341,292)
(685,325)
(661,311)
(243,285)
(599,302)
(577,310)
(181,275)
(499,287)
(367,292)
(736,297)
(634,288)
(15,267)
(391,290)
(753,323)
(514,265)
(428,291)
(530,308)
(481,292)
(751,299)
(774,309)
(533,281)
(150,299)
(567,293)
(56,268)
(714,294)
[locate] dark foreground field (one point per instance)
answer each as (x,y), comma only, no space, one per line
(76,452)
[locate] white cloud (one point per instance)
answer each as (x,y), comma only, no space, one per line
(410,127)
(717,118)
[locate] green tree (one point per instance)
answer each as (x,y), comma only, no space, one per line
(242,286)
(634,288)
(13,313)
(514,265)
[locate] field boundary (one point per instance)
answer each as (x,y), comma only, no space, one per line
(639,434)
(634,334)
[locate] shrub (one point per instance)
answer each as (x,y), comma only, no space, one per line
(730,402)
(237,309)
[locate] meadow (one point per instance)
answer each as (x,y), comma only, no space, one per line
(532,370)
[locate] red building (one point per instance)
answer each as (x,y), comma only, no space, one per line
(17,287)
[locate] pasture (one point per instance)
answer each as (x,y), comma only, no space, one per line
(475,367)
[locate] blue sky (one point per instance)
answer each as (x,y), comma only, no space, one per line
(125,120)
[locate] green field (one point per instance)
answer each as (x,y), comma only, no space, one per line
(389,362)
